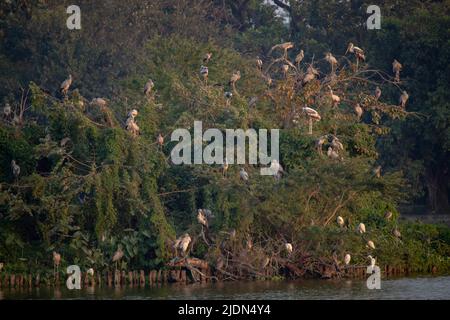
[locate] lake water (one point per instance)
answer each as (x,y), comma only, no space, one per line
(435,288)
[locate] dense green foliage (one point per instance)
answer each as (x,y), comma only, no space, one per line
(87,186)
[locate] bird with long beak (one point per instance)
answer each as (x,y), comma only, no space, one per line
(148,88)
(336,144)
(332,61)
(403,99)
(371,245)
(334,98)
(207,58)
(65,85)
(347,259)
(377,93)
(283,46)
(340,221)
(185,242)
(397,68)
(201,218)
(312,115)
(377,172)
(358,52)
(235,78)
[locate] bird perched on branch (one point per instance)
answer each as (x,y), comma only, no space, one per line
(244,175)
(358,52)
(99,102)
(311,74)
(207,58)
(377,93)
(289,247)
(347,259)
(299,58)
(340,221)
(283,46)
(377,172)
(285,69)
(370,244)
(15,169)
(404,99)
(311,113)
(359,111)
(65,85)
(204,72)
(235,78)
(332,61)
(334,98)
(259,63)
(225,167)
(118,255)
(184,243)
(131,124)
(397,68)
(201,218)
(276,169)
(148,88)
(7,111)
(361,228)
(336,144)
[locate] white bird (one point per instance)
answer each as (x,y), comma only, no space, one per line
(15,169)
(388,215)
(65,85)
(90,272)
(207,58)
(347,259)
(149,87)
(378,93)
(358,52)
(300,56)
(184,243)
(201,218)
(373,261)
(332,61)
(285,69)
(204,72)
(334,98)
(340,221)
(7,110)
(259,63)
(359,111)
(397,68)
(289,248)
(244,175)
(361,228)
(404,99)
(118,255)
(332,154)
(396,233)
(370,244)
(311,113)
(133,113)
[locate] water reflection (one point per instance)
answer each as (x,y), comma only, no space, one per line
(407,288)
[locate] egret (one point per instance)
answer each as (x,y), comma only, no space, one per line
(373,261)
(118,255)
(204,72)
(332,61)
(361,228)
(388,215)
(320,142)
(404,99)
(347,259)
(184,243)
(396,68)
(15,169)
(201,218)
(332,154)
(312,115)
(358,52)
(397,233)
(283,46)
(65,85)
(377,172)
(340,221)
(160,140)
(377,93)
(334,98)
(370,244)
(207,58)
(90,272)
(225,167)
(7,110)
(235,78)
(149,87)
(359,111)
(289,248)
(56,262)
(244,175)
(259,63)
(299,58)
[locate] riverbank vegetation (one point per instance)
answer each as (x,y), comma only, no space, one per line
(102,197)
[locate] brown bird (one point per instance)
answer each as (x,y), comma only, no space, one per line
(397,68)
(332,61)
(377,93)
(259,63)
(56,262)
(66,85)
(118,255)
(235,78)
(359,111)
(403,99)
(160,140)
(149,87)
(283,46)
(299,58)
(15,169)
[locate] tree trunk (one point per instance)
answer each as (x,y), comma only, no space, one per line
(438,195)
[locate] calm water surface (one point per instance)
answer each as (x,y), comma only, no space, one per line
(405,288)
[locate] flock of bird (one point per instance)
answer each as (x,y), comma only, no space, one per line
(334,145)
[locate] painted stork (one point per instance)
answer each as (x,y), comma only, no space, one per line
(397,68)
(361,228)
(373,261)
(371,245)
(259,63)
(244,175)
(340,221)
(65,85)
(332,61)
(201,218)
(149,87)
(15,169)
(359,111)
(404,99)
(334,98)
(299,58)
(378,93)
(185,242)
